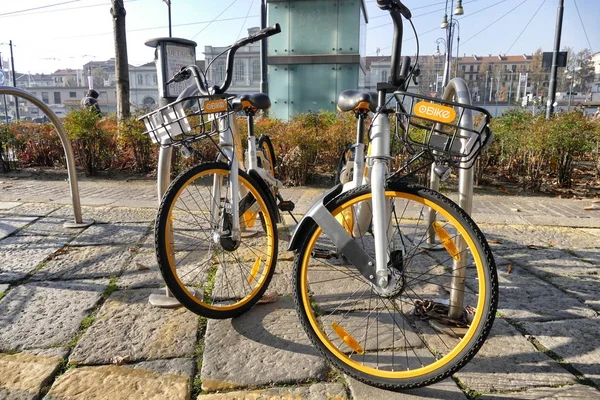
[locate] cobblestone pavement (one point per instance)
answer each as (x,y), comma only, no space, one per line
(75,322)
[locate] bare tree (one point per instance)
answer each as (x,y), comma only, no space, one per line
(121,64)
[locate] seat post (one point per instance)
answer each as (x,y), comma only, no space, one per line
(360,130)
(250,115)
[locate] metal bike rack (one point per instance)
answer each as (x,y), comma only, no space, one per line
(66,143)
(457,88)
(169,53)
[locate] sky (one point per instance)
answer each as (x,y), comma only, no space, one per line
(52,34)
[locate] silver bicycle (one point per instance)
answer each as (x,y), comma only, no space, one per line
(389,295)
(216,229)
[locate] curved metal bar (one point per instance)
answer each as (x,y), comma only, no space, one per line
(458,90)
(66,143)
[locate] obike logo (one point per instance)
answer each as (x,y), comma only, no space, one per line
(214,106)
(435,112)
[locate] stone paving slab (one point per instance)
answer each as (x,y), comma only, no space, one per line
(549,262)
(7,205)
(112,214)
(45,314)
(23,375)
(127,327)
(38,210)
(141,271)
(169,380)
(524,297)
(560,237)
(591,256)
(4,287)
(508,362)
(112,234)
(282,281)
(10,224)
(575,342)
(566,392)
(584,287)
(446,389)
(317,391)
(20,255)
(50,226)
(84,263)
(265,346)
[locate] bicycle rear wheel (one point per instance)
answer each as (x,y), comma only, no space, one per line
(266,146)
(402,337)
(208,268)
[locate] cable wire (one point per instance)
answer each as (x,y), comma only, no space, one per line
(39,8)
(531,19)
(222,12)
(23,13)
(583,26)
(489,25)
(243,24)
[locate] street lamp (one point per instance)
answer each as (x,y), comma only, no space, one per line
(449,26)
(437,55)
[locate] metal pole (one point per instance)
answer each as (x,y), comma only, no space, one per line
(169,5)
(553,72)
(264,83)
(485,88)
(497,86)
(14,79)
(570,93)
(510,88)
(457,47)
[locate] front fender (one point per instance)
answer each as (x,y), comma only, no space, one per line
(303,226)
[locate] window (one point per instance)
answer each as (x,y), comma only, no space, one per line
(220,72)
(471,68)
(147,79)
(154,79)
(72,95)
(464,68)
(140,79)
(384,76)
(45,98)
(239,71)
(256,70)
(490,67)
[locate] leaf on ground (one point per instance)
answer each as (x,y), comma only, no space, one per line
(495,241)
(534,247)
(509,268)
(591,208)
(141,267)
(503,190)
(268,298)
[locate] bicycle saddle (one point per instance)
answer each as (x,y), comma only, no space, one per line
(354,100)
(256,101)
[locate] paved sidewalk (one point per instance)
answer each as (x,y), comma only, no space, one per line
(75,322)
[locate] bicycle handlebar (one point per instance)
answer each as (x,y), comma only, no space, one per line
(193,70)
(397,10)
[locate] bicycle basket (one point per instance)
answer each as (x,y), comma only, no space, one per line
(187,120)
(452,133)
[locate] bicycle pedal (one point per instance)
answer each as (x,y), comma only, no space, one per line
(286,205)
(324,254)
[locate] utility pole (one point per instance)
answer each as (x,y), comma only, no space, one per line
(121,63)
(553,72)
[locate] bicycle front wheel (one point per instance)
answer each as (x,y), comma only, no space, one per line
(426,325)
(212,269)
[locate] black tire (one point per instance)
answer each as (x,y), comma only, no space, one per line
(208,270)
(378,339)
(265,144)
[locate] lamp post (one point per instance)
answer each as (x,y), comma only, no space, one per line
(437,55)
(168,2)
(14,79)
(448,26)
